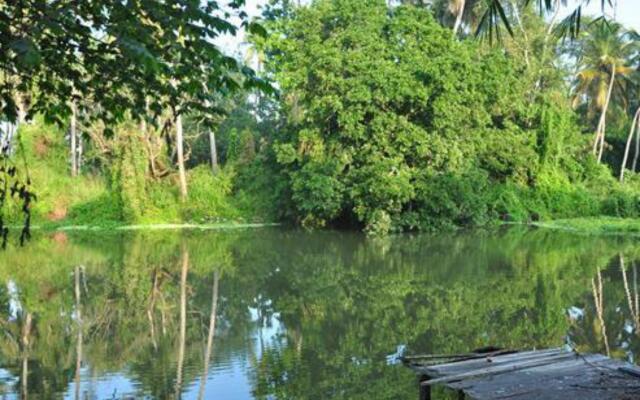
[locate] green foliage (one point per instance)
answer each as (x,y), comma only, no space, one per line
(130,196)
(260,191)
(148,57)
(430,133)
(46,154)
(209,197)
(414,138)
(129,175)
(386,122)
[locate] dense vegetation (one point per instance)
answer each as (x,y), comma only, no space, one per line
(385,120)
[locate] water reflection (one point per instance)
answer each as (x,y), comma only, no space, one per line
(275,314)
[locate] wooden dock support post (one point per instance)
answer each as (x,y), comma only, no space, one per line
(425,391)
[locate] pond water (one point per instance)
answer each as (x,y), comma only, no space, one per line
(296,315)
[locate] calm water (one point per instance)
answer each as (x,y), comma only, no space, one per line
(296,315)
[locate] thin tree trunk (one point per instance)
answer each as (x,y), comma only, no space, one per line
(635,295)
(80,151)
(601,147)
(183,319)
(459,16)
(634,122)
(26,345)
(603,117)
(545,45)
(212,330)
(9,130)
(72,138)
(516,13)
(214,151)
(180,155)
(637,151)
(24,391)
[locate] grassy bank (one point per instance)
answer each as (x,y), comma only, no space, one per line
(118,193)
(595,225)
(126,227)
(111,194)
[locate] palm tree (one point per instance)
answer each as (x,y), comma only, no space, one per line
(494,15)
(603,66)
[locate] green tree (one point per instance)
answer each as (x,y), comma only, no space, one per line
(127,58)
(604,55)
(378,141)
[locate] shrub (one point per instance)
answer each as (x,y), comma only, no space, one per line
(209,195)
(129,174)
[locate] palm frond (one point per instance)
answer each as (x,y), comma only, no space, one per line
(570,25)
(494,16)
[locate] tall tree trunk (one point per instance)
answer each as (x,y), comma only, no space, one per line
(80,144)
(9,130)
(212,330)
(180,155)
(214,151)
(525,37)
(637,150)
(24,390)
(634,122)
(25,342)
(183,319)
(72,138)
(600,134)
(459,15)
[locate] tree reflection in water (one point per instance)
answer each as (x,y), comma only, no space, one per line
(173,314)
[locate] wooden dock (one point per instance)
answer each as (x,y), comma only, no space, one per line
(532,375)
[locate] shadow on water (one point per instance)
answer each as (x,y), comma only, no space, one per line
(282,314)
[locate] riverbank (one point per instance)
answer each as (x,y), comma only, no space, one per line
(594,225)
(151,227)
(587,226)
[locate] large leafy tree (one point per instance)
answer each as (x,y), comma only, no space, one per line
(124,58)
(122,55)
(376,140)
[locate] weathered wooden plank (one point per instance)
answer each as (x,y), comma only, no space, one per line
(470,365)
(455,358)
(631,370)
(582,393)
(592,387)
(537,375)
(502,368)
(557,375)
(473,365)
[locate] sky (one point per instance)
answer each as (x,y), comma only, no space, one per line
(236,45)
(627,11)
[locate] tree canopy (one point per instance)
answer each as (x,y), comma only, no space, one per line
(130,56)
(380,140)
